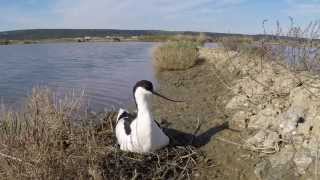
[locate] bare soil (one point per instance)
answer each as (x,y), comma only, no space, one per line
(205,98)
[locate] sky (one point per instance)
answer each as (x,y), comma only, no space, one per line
(226,16)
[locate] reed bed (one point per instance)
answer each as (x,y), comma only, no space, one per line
(179,55)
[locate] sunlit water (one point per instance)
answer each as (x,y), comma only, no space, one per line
(105,71)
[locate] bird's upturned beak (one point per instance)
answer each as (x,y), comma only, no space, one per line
(157,94)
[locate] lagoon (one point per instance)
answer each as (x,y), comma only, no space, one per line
(105,71)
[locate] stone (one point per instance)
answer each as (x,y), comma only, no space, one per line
(302,160)
(239,120)
(261,169)
(237,102)
(271,140)
(283,157)
(258,138)
(290,120)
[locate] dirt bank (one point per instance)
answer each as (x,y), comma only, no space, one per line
(273,109)
(205,99)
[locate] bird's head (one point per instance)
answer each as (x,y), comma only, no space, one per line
(145,88)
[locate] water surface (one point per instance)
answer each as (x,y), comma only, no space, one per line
(106,71)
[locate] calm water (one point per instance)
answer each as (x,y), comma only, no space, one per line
(106,71)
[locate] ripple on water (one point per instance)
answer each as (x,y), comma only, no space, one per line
(105,71)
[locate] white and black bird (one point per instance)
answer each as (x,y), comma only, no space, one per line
(140,132)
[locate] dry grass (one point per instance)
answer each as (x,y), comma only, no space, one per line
(301,51)
(284,60)
(235,43)
(54,138)
(4,42)
(178,55)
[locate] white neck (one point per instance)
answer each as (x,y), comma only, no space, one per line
(144,120)
(149,135)
(143,105)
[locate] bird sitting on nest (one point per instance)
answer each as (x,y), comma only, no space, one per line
(140,132)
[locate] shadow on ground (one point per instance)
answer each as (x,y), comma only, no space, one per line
(179,138)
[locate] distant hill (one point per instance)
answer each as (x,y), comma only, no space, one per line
(39,34)
(36,34)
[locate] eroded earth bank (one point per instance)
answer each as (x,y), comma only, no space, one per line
(272,115)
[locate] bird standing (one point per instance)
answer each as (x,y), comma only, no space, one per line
(141,133)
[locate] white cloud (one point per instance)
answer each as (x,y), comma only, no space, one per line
(199,15)
(142,14)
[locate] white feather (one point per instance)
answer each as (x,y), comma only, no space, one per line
(145,136)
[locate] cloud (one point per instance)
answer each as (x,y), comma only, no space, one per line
(143,14)
(196,15)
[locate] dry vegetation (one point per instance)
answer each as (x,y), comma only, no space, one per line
(52,138)
(297,48)
(177,55)
(4,42)
(235,43)
(276,96)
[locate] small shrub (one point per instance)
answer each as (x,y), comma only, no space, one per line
(202,38)
(4,42)
(235,43)
(178,55)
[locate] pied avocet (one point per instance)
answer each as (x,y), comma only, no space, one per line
(140,132)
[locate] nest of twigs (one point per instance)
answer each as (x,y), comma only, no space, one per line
(171,162)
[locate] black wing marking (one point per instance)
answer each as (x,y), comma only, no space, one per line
(128,118)
(157,124)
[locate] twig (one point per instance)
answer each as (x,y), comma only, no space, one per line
(188,155)
(135,175)
(10,157)
(197,127)
(183,170)
(221,80)
(316,161)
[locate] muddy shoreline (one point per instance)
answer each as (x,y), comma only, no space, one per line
(205,98)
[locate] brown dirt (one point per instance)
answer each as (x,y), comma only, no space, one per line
(205,97)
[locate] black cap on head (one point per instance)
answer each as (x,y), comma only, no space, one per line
(147,85)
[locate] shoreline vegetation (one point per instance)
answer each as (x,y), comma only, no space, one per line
(266,90)
(176,55)
(156,38)
(53,138)
(35,36)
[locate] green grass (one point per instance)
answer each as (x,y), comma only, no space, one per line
(178,55)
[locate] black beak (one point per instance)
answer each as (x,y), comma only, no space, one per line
(157,94)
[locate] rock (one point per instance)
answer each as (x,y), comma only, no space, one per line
(240,120)
(297,139)
(281,166)
(258,138)
(264,139)
(237,102)
(261,169)
(290,120)
(271,140)
(312,145)
(302,160)
(264,119)
(283,157)
(264,171)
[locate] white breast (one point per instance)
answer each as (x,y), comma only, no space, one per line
(145,136)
